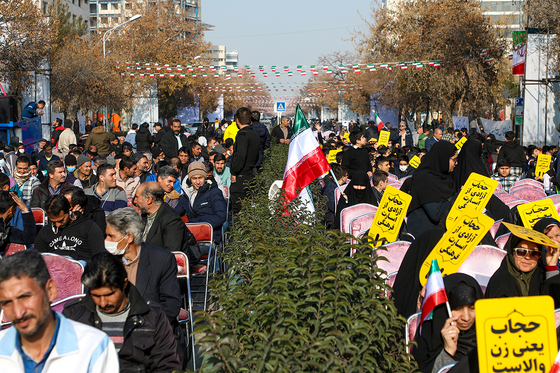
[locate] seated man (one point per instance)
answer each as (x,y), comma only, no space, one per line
(164,226)
(504,176)
(68,233)
(126,176)
(203,202)
(9,202)
(53,184)
(89,206)
(40,339)
(221,170)
(25,182)
(141,331)
(112,197)
(70,162)
(84,172)
(47,157)
(379,185)
(166,178)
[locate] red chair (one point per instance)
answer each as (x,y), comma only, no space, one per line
(14,248)
(350,213)
(394,254)
(529,182)
(204,233)
(185,218)
(506,197)
(502,240)
(410,330)
(186,313)
(40,217)
(481,264)
(529,194)
(66,274)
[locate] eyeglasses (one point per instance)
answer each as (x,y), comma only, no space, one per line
(522,253)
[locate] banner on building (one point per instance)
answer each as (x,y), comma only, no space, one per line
(519,51)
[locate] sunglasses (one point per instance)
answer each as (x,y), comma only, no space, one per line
(522,253)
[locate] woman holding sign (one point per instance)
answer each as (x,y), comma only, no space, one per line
(431,188)
(445,340)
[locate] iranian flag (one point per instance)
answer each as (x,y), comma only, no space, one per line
(556,366)
(378,121)
(435,292)
(306,161)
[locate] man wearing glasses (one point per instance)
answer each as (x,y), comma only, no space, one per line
(403,137)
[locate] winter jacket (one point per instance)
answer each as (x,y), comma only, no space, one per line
(407,138)
(113,199)
(328,191)
(245,151)
(90,180)
(514,153)
(10,234)
(42,193)
(43,162)
(101,139)
(66,138)
(131,139)
(80,239)
(231,131)
(144,140)
(206,130)
(279,135)
(169,144)
(206,206)
(149,344)
(78,349)
(264,135)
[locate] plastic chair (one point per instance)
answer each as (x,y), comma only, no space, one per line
(66,274)
(40,216)
(391,277)
(14,248)
(186,313)
(529,194)
(447,368)
(410,330)
(557,317)
(394,254)
(506,197)
(204,233)
(337,193)
(501,241)
(350,213)
(392,178)
(529,182)
(494,228)
(512,204)
(359,226)
(58,305)
(481,264)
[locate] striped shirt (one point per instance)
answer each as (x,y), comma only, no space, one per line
(113,325)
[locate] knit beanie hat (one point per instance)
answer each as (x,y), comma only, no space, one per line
(83,159)
(196,169)
(70,160)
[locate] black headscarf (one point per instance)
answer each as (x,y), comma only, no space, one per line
(469,161)
(355,196)
(431,182)
(407,284)
(461,290)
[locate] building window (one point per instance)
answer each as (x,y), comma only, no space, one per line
(115,6)
(104,6)
(45,7)
(80,3)
(93,8)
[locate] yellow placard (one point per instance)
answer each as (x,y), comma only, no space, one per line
(390,214)
(346,136)
(476,193)
(457,243)
(515,334)
(415,161)
(332,155)
(532,212)
(459,144)
(530,235)
(384,138)
(543,164)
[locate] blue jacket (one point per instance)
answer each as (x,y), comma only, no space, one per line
(30,110)
(176,186)
(209,206)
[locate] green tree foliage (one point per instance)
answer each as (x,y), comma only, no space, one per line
(293,300)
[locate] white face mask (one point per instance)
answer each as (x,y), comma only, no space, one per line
(112,247)
(2,162)
(403,168)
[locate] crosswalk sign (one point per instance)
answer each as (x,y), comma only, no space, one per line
(280,106)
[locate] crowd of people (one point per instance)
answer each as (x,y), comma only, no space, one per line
(118,204)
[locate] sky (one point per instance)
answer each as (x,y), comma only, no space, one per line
(287,32)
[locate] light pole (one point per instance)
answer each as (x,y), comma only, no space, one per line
(105,37)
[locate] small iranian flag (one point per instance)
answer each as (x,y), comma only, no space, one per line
(303,73)
(419,65)
(274,68)
(329,72)
(556,366)
(325,67)
(290,73)
(341,67)
(435,292)
(299,67)
(277,74)
(378,121)
(384,66)
(306,161)
(312,67)
(355,66)
(315,72)
(404,67)
(437,64)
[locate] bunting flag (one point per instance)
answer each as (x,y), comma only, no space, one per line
(306,161)
(435,292)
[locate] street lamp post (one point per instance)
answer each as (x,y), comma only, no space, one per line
(105,37)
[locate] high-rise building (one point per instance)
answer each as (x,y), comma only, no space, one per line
(77,8)
(232,59)
(506,14)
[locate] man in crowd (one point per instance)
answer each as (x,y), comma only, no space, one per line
(438,134)
(173,140)
(282,133)
(47,157)
(196,153)
(100,138)
(131,136)
(142,165)
(9,205)
(70,162)
(184,159)
(448,136)
(166,178)
(68,233)
(221,170)
(141,331)
(356,158)
(25,182)
(84,172)
(263,133)
(403,136)
(112,197)
(41,340)
(158,133)
(382,163)
(53,184)
(245,157)
(88,206)
(33,109)
(206,129)
(504,175)
(126,176)
(379,185)
(164,227)
(66,138)
(514,153)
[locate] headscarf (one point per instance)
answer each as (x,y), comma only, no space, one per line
(431,182)
(356,196)
(461,290)
(407,284)
(551,286)
(469,161)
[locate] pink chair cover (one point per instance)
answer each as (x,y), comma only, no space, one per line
(529,182)
(411,326)
(337,194)
(505,197)
(498,191)
(350,213)
(501,241)
(66,273)
(494,228)
(481,264)
(512,204)
(361,224)
(392,178)
(402,179)
(499,187)
(390,282)
(394,254)
(529,194)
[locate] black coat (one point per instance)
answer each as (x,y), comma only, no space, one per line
(264,135)
(356,159)
(170,146)
(170,233)
(245,151)
(144,140)
(514,153)
(42,193)
(15,235)
(149,344)
(206,130)
(278,134)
